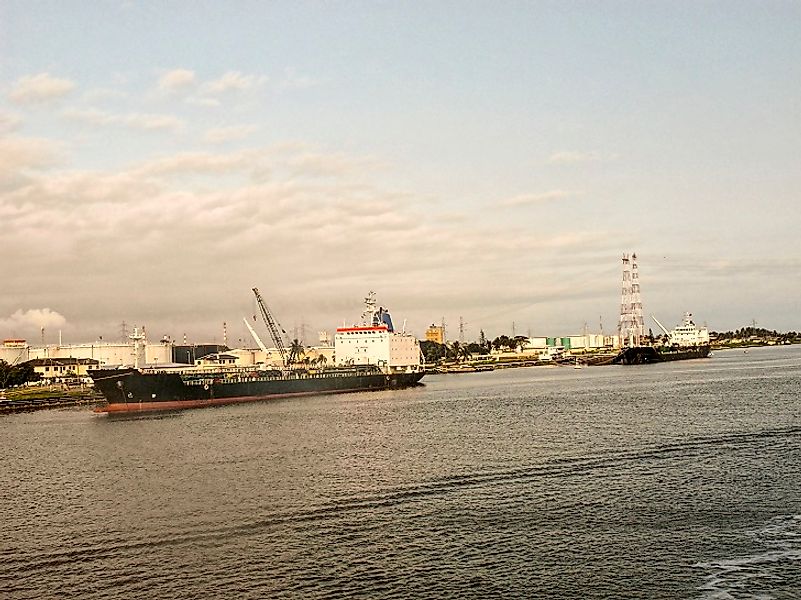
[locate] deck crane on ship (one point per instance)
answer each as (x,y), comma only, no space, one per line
(668,335)
(273,327)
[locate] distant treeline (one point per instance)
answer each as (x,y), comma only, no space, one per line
(746,333)
(11,375)
(432,351)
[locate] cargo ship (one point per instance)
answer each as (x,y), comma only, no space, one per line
(686,341)
(369,356)
(643,355)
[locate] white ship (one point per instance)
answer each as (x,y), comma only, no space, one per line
(687,334)
(375,342)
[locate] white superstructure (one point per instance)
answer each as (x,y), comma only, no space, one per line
(375,342)
(686,334)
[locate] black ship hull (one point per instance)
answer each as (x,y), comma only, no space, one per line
(132,390)
(643,355)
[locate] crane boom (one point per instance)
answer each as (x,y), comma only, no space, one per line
(662,327)
(272,326)
(256,337)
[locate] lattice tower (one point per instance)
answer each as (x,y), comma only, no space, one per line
(630,328)
(636,299)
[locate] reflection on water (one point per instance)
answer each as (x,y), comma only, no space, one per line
(661,481)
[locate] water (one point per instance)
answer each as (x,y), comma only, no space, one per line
(679,480)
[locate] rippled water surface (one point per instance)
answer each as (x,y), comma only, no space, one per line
(678,480)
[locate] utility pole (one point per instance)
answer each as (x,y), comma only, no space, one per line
(461,330)
(444,339)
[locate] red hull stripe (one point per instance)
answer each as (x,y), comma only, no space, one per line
(181,404)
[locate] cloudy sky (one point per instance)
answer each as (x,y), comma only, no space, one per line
(484,160)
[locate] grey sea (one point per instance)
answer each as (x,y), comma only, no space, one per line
(679,480)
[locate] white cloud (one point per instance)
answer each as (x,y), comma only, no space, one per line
(177,80)
(40,88)
(202,101)
(221,135)
(102,95)
(233,81)
(293,80)
(204,163)
(152,122)
(9,121)
(18,154)
(569,157)
(528,199)
(33,318)
(319,164)
(92,116)
(297,233)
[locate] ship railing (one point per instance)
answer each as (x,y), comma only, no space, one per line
(250,375)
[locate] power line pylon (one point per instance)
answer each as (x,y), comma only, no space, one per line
(630,328)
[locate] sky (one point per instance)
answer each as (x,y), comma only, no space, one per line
(483,161)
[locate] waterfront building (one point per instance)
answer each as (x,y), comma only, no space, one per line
(535,343)
(107,354)
(54,369)
(435,333)
(14,351)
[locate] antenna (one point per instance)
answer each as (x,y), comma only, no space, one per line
(370,314)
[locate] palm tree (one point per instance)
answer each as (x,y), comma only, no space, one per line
(458,352)
(296,350)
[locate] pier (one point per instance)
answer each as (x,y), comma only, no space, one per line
(13,401)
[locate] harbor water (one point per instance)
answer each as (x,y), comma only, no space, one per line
(675,480)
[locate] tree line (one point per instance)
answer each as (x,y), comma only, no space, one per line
(11,375)
(459,351)
(756,332)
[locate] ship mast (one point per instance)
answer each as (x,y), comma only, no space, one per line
(137,338)
(370,314)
